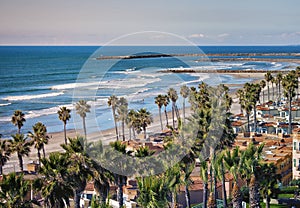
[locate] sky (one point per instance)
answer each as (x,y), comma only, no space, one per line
(99,22)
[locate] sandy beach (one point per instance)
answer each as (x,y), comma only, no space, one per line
(107,136)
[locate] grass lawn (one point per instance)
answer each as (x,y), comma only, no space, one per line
(263,205)
(285,196)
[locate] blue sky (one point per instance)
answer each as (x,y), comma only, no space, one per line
(96,22)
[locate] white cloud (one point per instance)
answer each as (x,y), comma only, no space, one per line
(200,35)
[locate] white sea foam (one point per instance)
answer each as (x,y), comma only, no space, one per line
(4,104)
(74,85)
(45,112)
(29,97)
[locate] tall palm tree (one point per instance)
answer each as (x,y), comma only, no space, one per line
(251,160)
(221,170)
(268,78)
(173,182)
(54,184)
(159,101)
(145,119)
(13,191)
(64,115)
(122,112)
(113,103)
(21,146)
(262,85)
(297,72)
(80,167)
(119,180)
(82,108)
(40,138)
(18,119)
(4,153)
(172,94)
(131,122)
(233,164)
(289,84)
(204,177)
(166,101)
(279,78)
(273,81)
(240,95)
(184,91)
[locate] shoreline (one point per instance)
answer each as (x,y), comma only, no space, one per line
(108,135)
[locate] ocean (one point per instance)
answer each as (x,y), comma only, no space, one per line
(40,79)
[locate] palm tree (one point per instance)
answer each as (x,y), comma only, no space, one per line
(82,108)
(153,191)
(262,85)
(122,111)
(40,138)
(297,72)
(279,79)
(13,191)
(273,80)
(172,94)
(21,146)
(173,182)
(268,78)
(54,184)
(113,103)
(184,91)
(80,167)
(4,154)
(221,170)
(268,181)
(233,164)
(18,119)
(240,95)
(119,180)
(289,83)
(64,115)
(159,101)
(187,166)
(251,158)
(145,119)
(131,122)
(166,101)
(204,177)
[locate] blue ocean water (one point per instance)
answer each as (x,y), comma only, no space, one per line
(40,79)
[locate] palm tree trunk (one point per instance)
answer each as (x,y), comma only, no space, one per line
(205,194)
(223,187)
(44,153)
(77,196)
(215,186)
(236,196)
(290,114)
(123,129)
(129,129)
(267,201)
(65,133)
(254,200)
(273,91)
(133,133)
(19,129)
(166,116)
(279,91)
(254,118)
(161,124)
(84,127)
(183,109)
(1,169)
(187,196)
(115,121)
(177,115)
(39,156)
(173,112)
(20,162)
(145,135)
(248,119)
(120,191)
(173,203)
(263,92)
(268,92)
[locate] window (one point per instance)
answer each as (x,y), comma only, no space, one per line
(294,162)
(295,145)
